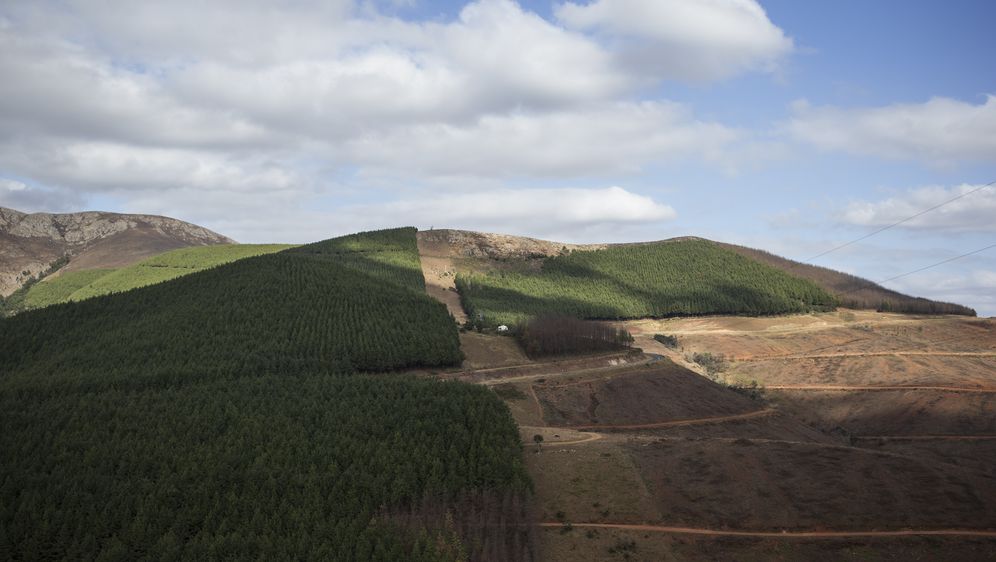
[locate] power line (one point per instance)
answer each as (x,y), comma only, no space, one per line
(937,264)
(907,219)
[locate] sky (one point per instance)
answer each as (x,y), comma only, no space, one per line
(789,126)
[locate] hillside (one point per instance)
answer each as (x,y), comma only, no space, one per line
(31,243)
(504,262)
(356,302)
(853,291)
(683,277)
(89,283)
(220,415)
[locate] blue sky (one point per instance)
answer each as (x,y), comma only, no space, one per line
(785,125)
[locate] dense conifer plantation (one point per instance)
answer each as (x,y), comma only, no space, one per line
(217,416)
(686,277)
(355,303)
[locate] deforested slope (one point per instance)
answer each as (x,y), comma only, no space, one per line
(219,416)
(681,277)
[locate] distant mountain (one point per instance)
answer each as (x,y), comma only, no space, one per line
(31,243)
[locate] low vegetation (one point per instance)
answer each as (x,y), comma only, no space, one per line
(219,416)
(687,277)
(565,335)
(712,363)
(666,340)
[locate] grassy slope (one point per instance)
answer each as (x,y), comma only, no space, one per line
(89,283)
(54,290)
(171,265)
(642,280)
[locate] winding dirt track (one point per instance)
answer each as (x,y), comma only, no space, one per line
(924,437)
(681,423)
(846,388)
(871,354)
(591,437)
(783,534)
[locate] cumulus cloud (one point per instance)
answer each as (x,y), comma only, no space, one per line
(540,211)
(941,131)
(182,108)
(970,213)
(607,138)
(698,40)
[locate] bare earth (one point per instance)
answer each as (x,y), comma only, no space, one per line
(885,452)
(875,438)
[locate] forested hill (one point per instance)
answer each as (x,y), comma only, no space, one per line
(680,277)
(356,303)
(215,417)
(853,291)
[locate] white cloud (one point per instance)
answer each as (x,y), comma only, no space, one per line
(973,212)
(57,89)
(602,139)
(691,40)
(940,132)
(533,211)
(96,166)
(211,111)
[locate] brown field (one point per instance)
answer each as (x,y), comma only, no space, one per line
(603,545)
(874,437)
(649,394)
(889,412)
(775,485)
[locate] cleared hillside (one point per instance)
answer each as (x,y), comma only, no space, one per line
(682,277)
(219,416)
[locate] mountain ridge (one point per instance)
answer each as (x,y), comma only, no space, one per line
(31,242)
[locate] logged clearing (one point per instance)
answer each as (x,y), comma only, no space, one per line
(893,412)
(868,436)
(663,392)
(740,485)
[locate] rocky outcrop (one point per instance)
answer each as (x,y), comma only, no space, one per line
(30,243)
(465,243)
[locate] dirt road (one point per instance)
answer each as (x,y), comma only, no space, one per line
(847,388)
(869,354)
(681,423)
(782,534)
